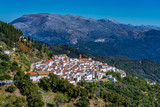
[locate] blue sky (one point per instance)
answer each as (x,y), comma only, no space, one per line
(136,12)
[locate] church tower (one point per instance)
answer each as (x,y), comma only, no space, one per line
(80,56)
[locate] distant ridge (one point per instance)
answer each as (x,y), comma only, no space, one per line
(104,37)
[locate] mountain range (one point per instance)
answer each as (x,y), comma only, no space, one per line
(103,37)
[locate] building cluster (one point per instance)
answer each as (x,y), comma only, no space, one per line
(74,69)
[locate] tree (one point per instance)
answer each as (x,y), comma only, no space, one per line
(45,84)
(4,64)
(59,99)
(114,74)
(15,67)
(1,79)
(29,38)
(15,63)
(83,102)
(20,102)
(19,78)
(54,80)
(9,105)
(35,100)
(11,89)
(24,83)
(7,77)
(1,49)
(28,88)
(50,54)
(32,39)
(5,57)
(84,92)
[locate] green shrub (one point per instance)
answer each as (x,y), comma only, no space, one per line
(11,89)
(83,102)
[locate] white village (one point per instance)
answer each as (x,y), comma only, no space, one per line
(74,69)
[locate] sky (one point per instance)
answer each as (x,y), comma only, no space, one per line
(135,12)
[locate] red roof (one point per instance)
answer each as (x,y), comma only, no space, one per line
(56,69)
(75,85)
(64,75)
(49,60)
(123,72)
(33,74)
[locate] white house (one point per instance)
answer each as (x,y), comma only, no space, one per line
(14,49)
(102,74)
(109,76)
(92,73)
(72,82)
(87,77)
(78,78)
(50,62)
(109,69)
(113,79)
(103,69)
(123,74)
(6,52)
(34,76)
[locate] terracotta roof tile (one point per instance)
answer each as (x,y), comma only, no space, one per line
(33,74)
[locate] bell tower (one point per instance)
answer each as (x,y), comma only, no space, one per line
(80,56)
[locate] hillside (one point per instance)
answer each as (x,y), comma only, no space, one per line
(104,37)
(14,48)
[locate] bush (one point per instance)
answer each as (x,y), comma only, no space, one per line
(45,84)
(7,77)
(83,102)
(59,99)
(91,96)
(11,89)
(20,102)
(35,100)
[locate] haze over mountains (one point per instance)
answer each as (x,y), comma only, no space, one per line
(104,37)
